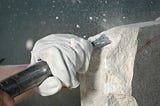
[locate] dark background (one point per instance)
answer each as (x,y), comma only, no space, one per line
(23,20)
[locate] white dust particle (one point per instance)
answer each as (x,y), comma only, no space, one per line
(77,26)
(106,2)
(124,17)
(57,17)
(97,17)
(9,6)
(104,14)
(84,36)
(29,44)
(104,20)
(91,18)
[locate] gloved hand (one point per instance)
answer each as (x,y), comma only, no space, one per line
(65,54)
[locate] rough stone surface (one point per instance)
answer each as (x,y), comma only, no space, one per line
(109,79)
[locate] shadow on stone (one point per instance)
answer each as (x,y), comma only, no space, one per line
(146,78)
(88,79)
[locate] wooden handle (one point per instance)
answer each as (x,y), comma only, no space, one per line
(8,70)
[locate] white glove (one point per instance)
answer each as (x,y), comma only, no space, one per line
(65,54)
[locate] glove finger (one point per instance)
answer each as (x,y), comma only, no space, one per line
(57,64)
(50,86)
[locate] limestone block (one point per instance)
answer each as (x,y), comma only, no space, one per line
(108,81)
